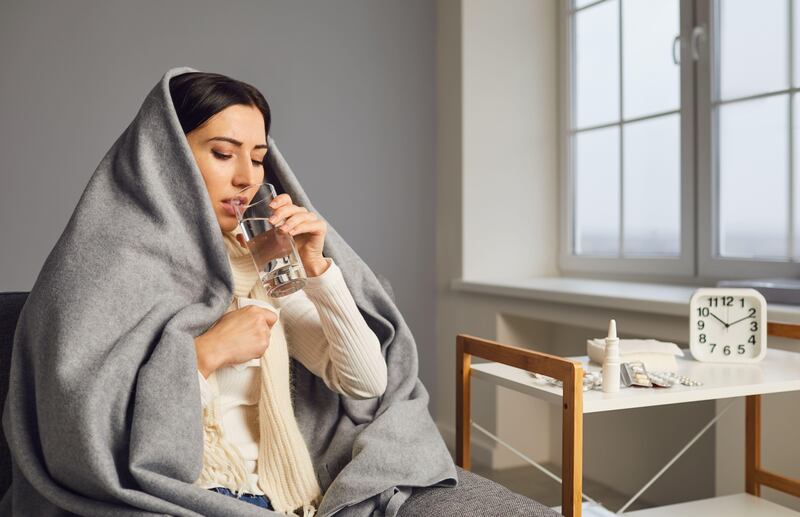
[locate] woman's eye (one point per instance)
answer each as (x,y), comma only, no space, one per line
(220,155)
(257,163)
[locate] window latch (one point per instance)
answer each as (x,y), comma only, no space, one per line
(698,38)
(676,58)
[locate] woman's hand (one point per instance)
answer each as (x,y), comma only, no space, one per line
(307,229)
(238,336)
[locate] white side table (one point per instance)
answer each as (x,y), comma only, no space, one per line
(511,366)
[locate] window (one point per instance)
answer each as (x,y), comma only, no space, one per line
(680,138)
(748,147)
(628,199)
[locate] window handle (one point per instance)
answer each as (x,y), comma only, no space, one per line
(675,56)
(698,36)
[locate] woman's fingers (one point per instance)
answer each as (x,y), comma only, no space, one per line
(280,200)
(308,227)
(284,212)
(297,219)
(293,219)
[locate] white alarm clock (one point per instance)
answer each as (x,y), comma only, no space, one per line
(728,325)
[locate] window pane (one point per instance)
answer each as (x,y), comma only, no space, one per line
(597,64)
(753,178)
(581,3)
(597,192)
(753,47)
(651,79)
(652,186)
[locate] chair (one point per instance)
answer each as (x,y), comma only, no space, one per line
(10,307)
(475,495)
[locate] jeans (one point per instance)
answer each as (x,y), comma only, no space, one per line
(256,499)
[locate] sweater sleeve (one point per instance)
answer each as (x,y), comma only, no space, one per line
(205,389)
(326,332)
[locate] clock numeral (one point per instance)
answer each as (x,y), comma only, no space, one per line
(722,301)
(753,326)
(702,338)
(751,340)
(751,313)
(740,349)
(726,350)
(713,346)
(702,311)
(741,301)
(701,324)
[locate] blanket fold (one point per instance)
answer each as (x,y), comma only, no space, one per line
(103,415)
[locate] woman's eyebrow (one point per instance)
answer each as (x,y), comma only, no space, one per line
(234,141)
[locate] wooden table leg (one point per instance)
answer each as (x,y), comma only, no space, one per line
(463,406)
(752,430)
(572,445)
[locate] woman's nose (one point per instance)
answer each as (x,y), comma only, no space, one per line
(246,173)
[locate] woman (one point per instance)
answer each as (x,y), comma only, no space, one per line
(253,447)
(136,384)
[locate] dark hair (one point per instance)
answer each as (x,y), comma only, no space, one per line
(198,96)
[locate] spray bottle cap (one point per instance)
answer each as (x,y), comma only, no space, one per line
(612,329)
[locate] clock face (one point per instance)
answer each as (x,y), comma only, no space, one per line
(728,325)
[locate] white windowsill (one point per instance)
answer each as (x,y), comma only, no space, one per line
(650,298)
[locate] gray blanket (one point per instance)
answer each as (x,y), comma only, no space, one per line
(103,415)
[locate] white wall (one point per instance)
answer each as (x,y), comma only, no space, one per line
(510,92)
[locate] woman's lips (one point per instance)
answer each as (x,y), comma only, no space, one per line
(228,205)
(229,208)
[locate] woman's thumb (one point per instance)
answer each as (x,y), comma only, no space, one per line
(272,317)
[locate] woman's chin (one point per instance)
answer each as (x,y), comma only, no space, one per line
(227,223)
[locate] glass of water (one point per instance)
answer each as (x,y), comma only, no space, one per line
(274,253)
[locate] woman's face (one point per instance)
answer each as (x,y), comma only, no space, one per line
(229,149)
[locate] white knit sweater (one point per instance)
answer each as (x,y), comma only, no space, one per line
(321,327)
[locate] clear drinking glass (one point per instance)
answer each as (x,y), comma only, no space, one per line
(274,253)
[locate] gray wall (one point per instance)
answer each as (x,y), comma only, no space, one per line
(350,83)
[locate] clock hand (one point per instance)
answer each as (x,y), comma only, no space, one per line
(717,318)
(740,319)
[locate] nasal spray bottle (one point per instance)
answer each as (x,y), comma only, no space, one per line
(611,360)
